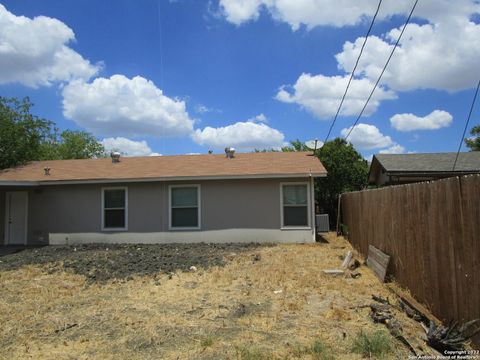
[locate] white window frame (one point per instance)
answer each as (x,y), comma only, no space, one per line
(199,207)
(309,207)
(103,208)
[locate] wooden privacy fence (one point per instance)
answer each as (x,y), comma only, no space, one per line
(432,233)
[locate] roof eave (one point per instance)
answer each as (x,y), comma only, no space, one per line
(431,173)
(159,179)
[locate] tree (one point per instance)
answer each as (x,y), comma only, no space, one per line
(295,145)
(25,137)
(347,170)
(72,145)
(474,142)
(21,133)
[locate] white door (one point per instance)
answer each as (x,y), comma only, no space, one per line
(16,218)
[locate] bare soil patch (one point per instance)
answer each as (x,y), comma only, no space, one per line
(243,302)
(102,262)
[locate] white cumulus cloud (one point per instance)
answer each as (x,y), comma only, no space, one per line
(239,11)
(394,149)
(247,134)
(341,13)
(437,119)
(128,147)
(35,52)
(119,105)
(365,136)
(441,55)
(259,118)
(296,12)
(430,54)
(202,109)
(322,95)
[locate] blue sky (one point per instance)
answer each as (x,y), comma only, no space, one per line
(175,77)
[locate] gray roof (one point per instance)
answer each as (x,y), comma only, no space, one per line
(435,162)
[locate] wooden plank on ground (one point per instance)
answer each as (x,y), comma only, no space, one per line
(378,262)
(333,272)
(414,304)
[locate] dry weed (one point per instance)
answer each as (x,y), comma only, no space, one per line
(271,307)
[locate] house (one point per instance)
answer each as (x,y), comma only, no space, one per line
(391,169)
(247,197)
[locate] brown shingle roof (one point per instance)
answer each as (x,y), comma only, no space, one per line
(269,164)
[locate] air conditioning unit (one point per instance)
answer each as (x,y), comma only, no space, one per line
(322,223)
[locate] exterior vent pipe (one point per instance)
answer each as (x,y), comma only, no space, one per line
(230,152)
(115,156)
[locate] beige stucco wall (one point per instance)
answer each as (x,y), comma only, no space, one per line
(225,205)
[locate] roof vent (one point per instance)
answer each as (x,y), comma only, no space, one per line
(230,152)
(46,170)
(115,155)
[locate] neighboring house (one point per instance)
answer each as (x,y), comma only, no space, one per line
(391,169)
(251,197)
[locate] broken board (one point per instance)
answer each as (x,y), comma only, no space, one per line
(378,262)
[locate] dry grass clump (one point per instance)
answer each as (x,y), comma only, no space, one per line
(266,303)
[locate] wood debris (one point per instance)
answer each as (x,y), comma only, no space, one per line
(347,259)
(452,337)
(378,262)
(381,311)
(66,327)
(334,272)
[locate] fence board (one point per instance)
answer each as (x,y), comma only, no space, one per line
(432,233)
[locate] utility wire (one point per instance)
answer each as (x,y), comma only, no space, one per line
(466,125)
(383,70)
(353,71)
(162,73)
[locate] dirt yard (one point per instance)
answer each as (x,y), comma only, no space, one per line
(144,302)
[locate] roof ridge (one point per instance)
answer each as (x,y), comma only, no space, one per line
(251,164)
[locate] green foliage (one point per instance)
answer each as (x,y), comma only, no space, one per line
(375,344)
(21,133)
(207,342)
(347,171)
(296,145)
(344,230)
(72,145)
(474,142)
(317,351)
(321,352)
(251,354)
(25,137)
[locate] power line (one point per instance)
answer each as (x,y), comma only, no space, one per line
(162,73)
(160,43)
(466,125)
(353,72)
(383,70)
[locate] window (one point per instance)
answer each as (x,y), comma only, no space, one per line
(295,205)
(114,205)
(184,207)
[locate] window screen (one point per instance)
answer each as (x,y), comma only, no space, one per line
(184,211)
(114,208)
(295,205)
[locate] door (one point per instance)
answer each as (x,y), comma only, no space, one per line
(16,217)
